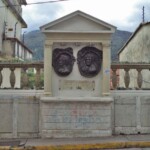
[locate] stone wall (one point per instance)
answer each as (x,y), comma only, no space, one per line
(73,117)
(19,115)
(78,117)
(131,112)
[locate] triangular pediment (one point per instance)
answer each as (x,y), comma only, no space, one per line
(78,22)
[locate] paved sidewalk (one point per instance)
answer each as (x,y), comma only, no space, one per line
(115,141)
(66,141)
(120,142)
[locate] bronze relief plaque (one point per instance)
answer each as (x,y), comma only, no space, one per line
(89,61)
(63,61)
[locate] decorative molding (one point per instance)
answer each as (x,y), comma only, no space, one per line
(63,44)
(48,44)
(77,43)
(91,44)
(106,44)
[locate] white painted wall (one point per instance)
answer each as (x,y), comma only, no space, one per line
(7,16)
(9,21)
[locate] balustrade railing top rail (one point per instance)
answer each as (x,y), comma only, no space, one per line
(29,64)
(127,65)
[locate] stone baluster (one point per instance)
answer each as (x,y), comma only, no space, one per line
(1,77)
(114,78)
(139,78)
(127,78)
(12,77)
(37,78)
(25,79)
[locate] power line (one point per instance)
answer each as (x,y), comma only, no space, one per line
(52,1)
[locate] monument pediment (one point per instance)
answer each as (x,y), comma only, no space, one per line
(78,22)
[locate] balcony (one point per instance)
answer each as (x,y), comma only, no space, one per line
(14,48)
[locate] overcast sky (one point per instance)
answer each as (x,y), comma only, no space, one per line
(124,14)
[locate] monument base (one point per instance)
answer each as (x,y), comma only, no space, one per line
(63,117)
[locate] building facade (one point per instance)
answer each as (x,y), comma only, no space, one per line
(11,45)
(136,50)
(12,23)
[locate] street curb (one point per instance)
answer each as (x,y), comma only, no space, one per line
(105,145)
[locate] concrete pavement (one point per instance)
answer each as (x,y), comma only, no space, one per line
(64,141)
(120,142)
(113,142)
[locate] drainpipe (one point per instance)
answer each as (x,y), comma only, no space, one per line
(15,29)
(14,43)
(5,30)
(23,36)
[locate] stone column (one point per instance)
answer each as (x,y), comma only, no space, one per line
(48,68)
(106,69)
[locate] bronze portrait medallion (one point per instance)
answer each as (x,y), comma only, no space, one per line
(89,61)
(63,61)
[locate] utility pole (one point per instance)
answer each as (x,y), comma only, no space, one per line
(143,14)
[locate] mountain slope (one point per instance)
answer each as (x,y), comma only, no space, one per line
(35,41)
(119,38)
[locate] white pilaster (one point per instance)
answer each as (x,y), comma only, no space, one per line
(48,68)
(106,69)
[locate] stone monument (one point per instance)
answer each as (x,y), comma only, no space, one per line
(76,100)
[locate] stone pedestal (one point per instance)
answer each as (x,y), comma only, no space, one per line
(76,117)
